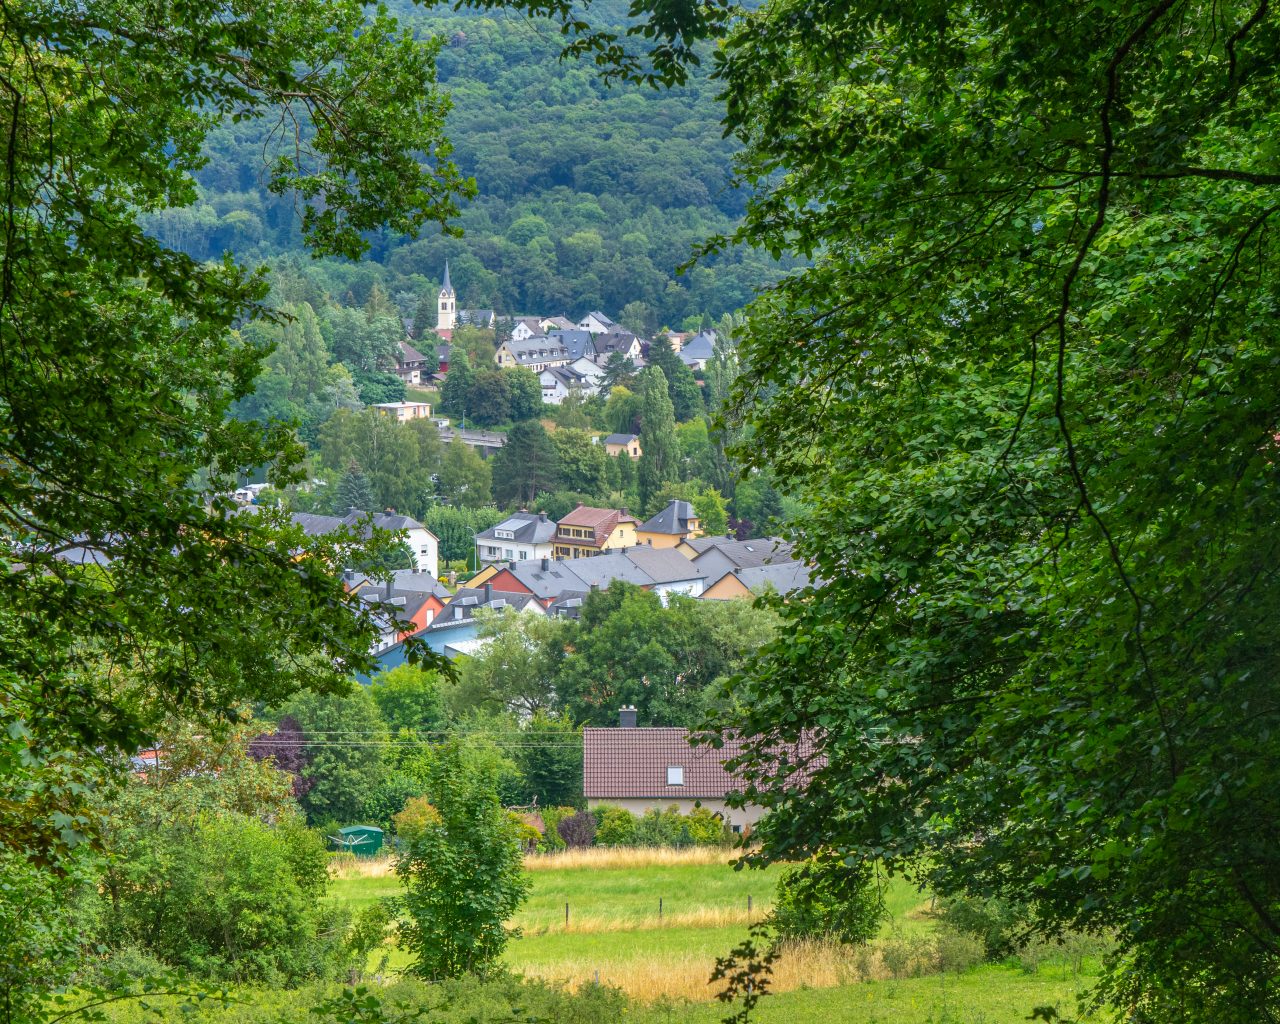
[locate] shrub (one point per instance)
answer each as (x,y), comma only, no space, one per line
(662,828)
(1001,925)
(826,898)
(957,951)
(707,829)
(615,826)
(528,834)
(551,818)
(461,868)
(577,830)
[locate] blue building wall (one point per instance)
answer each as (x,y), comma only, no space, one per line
(437,640)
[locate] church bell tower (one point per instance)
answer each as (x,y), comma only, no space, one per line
(446,307)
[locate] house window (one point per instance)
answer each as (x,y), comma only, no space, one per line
(675,775)
(510,555)
(737,830)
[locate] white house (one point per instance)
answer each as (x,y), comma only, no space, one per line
(536,354)
(558,382)
(422,543)
(526,327)
(522,535)
(597,323)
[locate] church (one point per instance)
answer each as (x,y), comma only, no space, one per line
(449,317)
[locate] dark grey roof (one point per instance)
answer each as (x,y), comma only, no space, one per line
(784,577)
(699,348)
(577,343)
(601,570)
(318,526)
(447,286)
(663,565)
(598,315)
(621,438)
(673,519)
(469,600)
(526,527)
(409,354)
(537,350)
(743,554)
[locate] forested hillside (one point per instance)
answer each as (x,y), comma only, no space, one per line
(589,196)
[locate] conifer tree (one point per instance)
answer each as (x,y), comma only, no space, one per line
(658,443)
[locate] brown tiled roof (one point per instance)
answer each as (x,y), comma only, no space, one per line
(601,521)
(619,763)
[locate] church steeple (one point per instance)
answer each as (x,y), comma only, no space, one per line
(446,307)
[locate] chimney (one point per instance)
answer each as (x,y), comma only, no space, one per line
(386,590)
(488,592)
(627,717)
(546,564)
(542,517)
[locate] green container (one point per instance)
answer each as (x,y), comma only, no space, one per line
(362,840)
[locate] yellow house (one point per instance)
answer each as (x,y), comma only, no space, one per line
(616,444)
(590,531)
(785,578)
(403,412)
(670,527)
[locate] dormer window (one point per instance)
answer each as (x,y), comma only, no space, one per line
(675,775)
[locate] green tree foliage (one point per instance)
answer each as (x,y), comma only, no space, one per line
(461,869)
(618,372)
(457,385)
(424,321)
(397,459)
(548,751)
(686,399)
(122,363)
(465,479)
(525,466)
(516,671)
(1029,392)
(582,462)
(209,870)
(825,898)
(457,527)
(410,698)
(658,448)
(353,492)
(344,733)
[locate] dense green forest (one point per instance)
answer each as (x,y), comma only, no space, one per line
(589,196)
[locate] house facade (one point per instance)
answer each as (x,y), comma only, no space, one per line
(520,536)
(590,531)
(536,354)
(597,323)
(643,769)
(618,444)
(422,543)
(404,412)
(675,523)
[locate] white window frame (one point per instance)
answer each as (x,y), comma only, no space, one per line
(675,775)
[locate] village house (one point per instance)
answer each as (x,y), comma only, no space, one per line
(698,351)
(617,444)
(403,412)
(579,344)
(675,523)
(522,535)
(556,583)
(400,606)
(421,542)
(621,341)
(642,769)
(525,327)
(555,323)
(719,555)
(581,377)
(591,531)
(536,354)
(597,323)
(784,578)
(412,366)
(455,631)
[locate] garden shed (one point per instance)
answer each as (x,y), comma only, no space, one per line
(362,840)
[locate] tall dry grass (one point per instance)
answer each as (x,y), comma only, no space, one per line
(685,976)
(346,865)
(628,857)
(703,917)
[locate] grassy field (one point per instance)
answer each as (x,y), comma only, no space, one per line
(615,936)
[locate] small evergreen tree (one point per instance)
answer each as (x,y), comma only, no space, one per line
(353,491)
